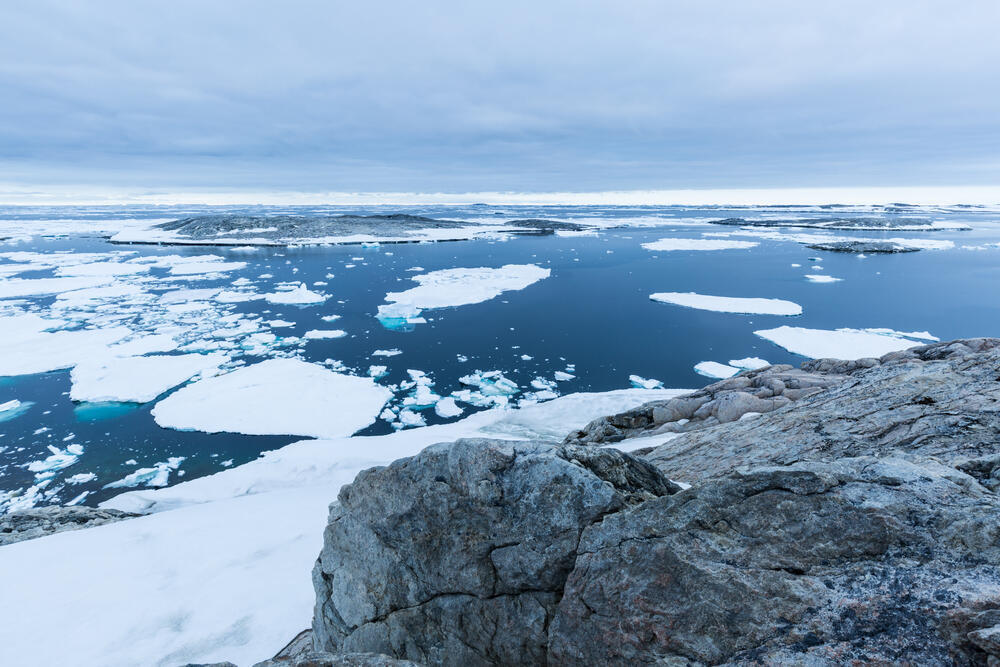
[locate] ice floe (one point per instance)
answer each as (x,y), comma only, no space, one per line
(697,244)
(750,363)
(157,476)
(842,343)
(138,379)
(715,370)
(640,382)
(456,287)
(24,352)
(728,304)
(319,334)
(299,295)
(275,397)
(819,278)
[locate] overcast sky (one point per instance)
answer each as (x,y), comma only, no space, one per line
(527,96)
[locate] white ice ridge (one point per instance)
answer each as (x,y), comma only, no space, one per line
(457,287)
(275,397)
(697,244)
(843,343)
(729,304)
(715,370)
(137,379)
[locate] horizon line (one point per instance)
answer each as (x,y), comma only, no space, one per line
(975,195)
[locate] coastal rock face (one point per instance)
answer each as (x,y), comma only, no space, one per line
(41,521)
(868,560)
(939,400)
(459,554)
(723,402)
(857,524)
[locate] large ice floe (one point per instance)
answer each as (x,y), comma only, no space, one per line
(275,397)
(843,343)
(729,304)
(697,244)
(455,287)
(216,546)
(28,344)
(138,379)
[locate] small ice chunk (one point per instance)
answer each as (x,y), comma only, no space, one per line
(447,407)
(560,376)
(387,353)
(377,372)
(300,295)
(819,278)
(318,334)
(157,476)
(642,383)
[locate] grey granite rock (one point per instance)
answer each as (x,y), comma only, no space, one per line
(756,392)
(458,555)
(862,561)
(41,521)
(939,400)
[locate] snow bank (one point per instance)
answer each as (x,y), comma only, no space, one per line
(729,304)
(137,379)
(697,244)
(842,343)
(456,287)
(275,397)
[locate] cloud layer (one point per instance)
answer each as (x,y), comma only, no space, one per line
(493,96)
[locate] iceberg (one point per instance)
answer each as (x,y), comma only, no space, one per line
(268,398)
(728,304)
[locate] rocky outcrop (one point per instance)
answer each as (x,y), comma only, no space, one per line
(723,402)
(41,521)
(863,561)
(459,555)
(866,247)
(835,222)
(856,524)
(939,400)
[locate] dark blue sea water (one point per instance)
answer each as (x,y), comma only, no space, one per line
(593,311)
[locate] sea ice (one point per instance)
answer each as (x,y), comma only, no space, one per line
(275,397)
(157,476)
(728,304)
(642,383)
(316,334)
(18,287)
(841,343)
(42,352)
(300,295)
(819,278)
(137,379)
(456,287)
(750,363)
(697,244)
(715,370)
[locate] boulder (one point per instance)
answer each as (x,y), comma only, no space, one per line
(459,555)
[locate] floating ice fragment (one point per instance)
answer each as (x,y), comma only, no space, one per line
(697,244)
(300,295)
(157,476)
(560,376)
(317,334)
(642,383)
(749,363)
(715,370)
(137,379)
(386,353)
(817,278)
(727,304)
(842,343)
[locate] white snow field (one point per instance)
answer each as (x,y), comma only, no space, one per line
(275,397)
(843,343)
(225,558)
(457,287)
(137,379)
(697,244)
(729,304)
